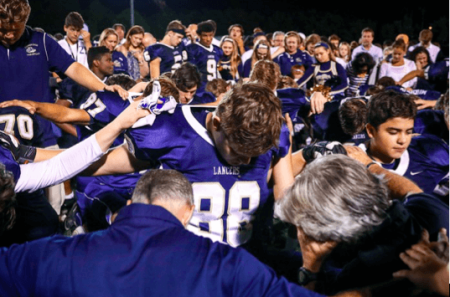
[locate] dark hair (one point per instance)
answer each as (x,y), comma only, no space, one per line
(186,77)
(217,86)
(387,43)
(14,11)
(399,43)
(385,81)
(388,105)
(419,50)
(7,199)
(361,60)
(123,80)
(168,88)
(251,119)
(119,25)
(353,116)
(96,53)
(236,25)
(287,82)
(367,29)
(75,20)
(205,26)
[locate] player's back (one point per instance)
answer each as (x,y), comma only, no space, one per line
(226,197)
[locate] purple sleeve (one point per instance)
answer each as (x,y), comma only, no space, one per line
(58,59)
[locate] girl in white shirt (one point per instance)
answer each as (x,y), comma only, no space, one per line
(399,66)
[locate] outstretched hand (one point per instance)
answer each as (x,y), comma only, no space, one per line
(131,115)
(21,103)
(117,89)
(427,269)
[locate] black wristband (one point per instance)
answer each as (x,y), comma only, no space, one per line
(26,154)
(370,164)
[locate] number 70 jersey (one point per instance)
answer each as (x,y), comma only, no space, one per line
(226,197)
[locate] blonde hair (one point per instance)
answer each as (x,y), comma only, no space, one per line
(105,34)
(235,59)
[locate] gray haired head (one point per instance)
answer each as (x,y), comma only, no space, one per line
(164,185)
(335,198)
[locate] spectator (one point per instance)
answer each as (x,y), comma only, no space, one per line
(230,65)
(73,26)
(358,73)
(399,66)
(261,51)
(236,32)
(110,38)
(367,36)
(133,49)
(292,55)
(120,30)
(425,38)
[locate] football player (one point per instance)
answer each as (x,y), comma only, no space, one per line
(423,159)
(169,54)
(204,54)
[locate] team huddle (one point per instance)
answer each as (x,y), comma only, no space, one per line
(269,165)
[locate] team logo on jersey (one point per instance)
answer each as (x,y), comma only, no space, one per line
(31,50)
(117,63)
(226,170)
(298,60)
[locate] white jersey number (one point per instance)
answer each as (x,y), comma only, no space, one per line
(24,125)
(93,100)
(211,68)
(209,199)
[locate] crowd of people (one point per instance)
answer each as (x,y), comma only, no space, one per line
(268,164)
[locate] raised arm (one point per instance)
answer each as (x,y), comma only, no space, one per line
(72,161)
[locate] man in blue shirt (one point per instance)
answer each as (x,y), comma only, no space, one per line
(144,253)
(27,56)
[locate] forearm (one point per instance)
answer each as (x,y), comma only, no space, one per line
(411,75)
(154,68)
(283,176)
(84,77)
(298,162)
(143,68)
(68,128)
(61,114)
(399,186)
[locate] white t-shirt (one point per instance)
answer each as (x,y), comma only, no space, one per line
(398,72)
(77,51)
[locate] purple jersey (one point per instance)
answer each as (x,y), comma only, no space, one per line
(432,122)
(206,60)
(425,162)
(226,197)
(28,128)
(286,61)
(171,57)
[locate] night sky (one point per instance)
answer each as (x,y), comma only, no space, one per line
(388,17)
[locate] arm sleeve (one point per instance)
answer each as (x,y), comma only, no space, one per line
(343,77)
(60,168)
(57,58)
(309,73)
